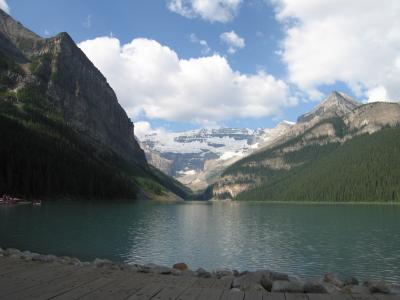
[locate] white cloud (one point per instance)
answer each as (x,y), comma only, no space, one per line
(355,42)
(205,49)
(151,79)
(233,41)
(142,129)
(88,22)
(4,6)
(210,10)
(377,94)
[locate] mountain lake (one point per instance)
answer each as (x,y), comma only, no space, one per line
(362,240)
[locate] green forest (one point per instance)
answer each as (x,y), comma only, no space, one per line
(364,169)
(41,156)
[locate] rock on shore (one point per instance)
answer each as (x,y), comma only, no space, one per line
(261,280)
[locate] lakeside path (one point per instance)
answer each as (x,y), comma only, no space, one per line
(21,279)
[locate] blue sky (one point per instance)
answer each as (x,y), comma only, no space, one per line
(128,19)
(268,48)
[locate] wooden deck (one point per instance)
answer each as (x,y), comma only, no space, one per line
(34,280)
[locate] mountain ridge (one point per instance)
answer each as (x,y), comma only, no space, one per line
(54,96)
(307,144)
(336,104)
(69,96)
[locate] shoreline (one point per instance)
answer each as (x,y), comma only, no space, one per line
(266,281)
(168,200)
(300,202)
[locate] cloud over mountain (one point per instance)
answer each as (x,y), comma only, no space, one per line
(355,42)
(151,79)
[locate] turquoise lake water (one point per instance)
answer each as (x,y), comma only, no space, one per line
(300,239)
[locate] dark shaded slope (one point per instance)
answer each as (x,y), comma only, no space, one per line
(42,157)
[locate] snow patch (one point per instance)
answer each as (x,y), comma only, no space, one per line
(188,172)
(289,122)
(230,154)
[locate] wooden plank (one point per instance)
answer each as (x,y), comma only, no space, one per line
(190,293)
(182,281)
(169,293)
(274,296)
(340,296)
(223,283)
(16,266)
(204,282)
(319,297)
(120,289)
(56,286)
(81,291)
(34,271)
(5,261)
(234,295)
(154,278)
(254,295)
(167,280)
(362,297)
(14,261)
(126,288)
(30,279)
(210,294)
(186,281)
(387,297)
(9,270)
(295,296)
(147,292)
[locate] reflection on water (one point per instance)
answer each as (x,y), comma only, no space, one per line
(303,239)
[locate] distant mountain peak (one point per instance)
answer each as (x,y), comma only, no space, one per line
(340,97)
(14,29)
(336,104)
(16,41)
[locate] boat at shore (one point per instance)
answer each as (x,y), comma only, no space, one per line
(8,200)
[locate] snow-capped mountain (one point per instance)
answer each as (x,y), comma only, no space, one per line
(196,157)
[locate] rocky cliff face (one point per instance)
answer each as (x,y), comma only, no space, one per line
(87,101)
(75,87)
(335,105)
(16,40)
(372,117)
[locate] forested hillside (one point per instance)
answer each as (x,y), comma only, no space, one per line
(366,168)
(341,152)
(62,130)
